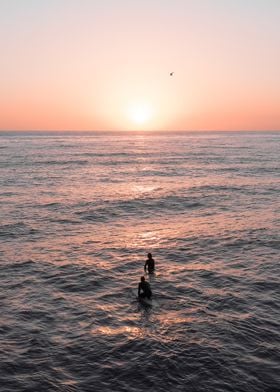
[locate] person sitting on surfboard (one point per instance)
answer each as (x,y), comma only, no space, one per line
(144,289)
(150,263)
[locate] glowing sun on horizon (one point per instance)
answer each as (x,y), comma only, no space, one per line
(140,114)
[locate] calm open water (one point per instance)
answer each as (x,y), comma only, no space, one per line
(80,211)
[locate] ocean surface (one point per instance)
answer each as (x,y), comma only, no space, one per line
(78,214)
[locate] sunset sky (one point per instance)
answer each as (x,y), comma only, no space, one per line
(105,64)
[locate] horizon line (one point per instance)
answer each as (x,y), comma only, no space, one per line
(140,130)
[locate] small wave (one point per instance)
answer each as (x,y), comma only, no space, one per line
(101,155)
(217,188)
(139,207)
(19,265)
(36,314)
(9,194)
(51,205)
(65,221)
(61,163)
(274,244)
(15,230)
(263,285)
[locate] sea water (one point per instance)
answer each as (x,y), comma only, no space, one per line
(79,213)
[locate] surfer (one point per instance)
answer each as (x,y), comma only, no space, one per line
(144,289)
(150,264)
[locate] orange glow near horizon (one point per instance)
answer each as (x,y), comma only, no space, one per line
(67,65)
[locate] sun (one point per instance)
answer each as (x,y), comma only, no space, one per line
(140,114)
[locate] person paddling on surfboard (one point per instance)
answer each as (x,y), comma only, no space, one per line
(144,289)
(150,264)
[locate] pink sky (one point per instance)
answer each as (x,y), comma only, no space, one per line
(104,65)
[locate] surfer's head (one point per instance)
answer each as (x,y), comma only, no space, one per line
(142,278)
(149,255)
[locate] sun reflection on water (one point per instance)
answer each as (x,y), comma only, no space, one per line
(114,331)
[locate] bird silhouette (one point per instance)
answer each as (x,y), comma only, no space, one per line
(171,73)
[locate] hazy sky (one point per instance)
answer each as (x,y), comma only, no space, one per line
(105,64)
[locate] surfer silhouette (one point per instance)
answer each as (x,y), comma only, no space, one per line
(150,264)
(144,289)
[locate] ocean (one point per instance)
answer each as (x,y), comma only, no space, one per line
(79,213)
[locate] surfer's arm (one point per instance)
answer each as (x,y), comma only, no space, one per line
(145,266)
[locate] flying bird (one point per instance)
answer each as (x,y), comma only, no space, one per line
(171,73)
